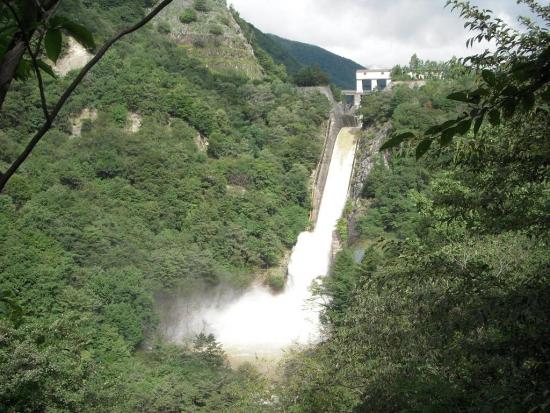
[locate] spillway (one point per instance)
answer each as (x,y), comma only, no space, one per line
(259,325)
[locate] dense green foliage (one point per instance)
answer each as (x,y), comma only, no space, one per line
(449,308)
(96,222)
(412,110)
(311,76)
(340,70)
(439,302)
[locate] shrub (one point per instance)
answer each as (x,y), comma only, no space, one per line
(216,30)
(188,16)
(119,114)
(199,43)
(201,5)
(342,230)
(276,282)
(224,20)
(337,92)
(164,27)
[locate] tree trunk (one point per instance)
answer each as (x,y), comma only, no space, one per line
(9,65)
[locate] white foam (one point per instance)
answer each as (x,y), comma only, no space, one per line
(259,324)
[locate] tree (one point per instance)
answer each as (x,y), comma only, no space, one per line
(25,35)
(415,64)
(311,76)
(513,78)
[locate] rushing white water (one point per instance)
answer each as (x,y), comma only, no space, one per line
(258,324)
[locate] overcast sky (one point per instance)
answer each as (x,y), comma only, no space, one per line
(374,33)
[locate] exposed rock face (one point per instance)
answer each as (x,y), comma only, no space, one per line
(134,122)
(367,152)
(76,122)
(325,90)
(76,57)
(227,51)
(201,142)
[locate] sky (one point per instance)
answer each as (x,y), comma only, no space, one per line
(374,33)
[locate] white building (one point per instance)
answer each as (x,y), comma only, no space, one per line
(374,75)
(379,79)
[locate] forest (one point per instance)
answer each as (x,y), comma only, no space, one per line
(101,219)
(439,300)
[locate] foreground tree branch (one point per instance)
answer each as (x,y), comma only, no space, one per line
(5,177)
(32,13)
(33,56)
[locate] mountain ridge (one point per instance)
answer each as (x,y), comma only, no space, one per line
(341,70)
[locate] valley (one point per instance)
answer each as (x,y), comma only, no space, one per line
(194,217)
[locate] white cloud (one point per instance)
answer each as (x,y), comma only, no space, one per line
(371,32)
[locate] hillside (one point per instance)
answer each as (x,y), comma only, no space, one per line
(165,172)
(197,234)
(211,35)
(295,55)
(278,53)
(341,70)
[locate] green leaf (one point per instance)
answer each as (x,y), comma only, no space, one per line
(447,136)
(524,70)
(46,68)
(528,102)
(543,109)
(509,107)
(80,33)
(396,140)
(510,90)
(489,77)
(52,43)
(23,70)
(438,128)
(494,117)
(423,147)
(459,96)
(478,123)
(463,127)
(10,308)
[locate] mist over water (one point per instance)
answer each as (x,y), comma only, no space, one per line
(258,324)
